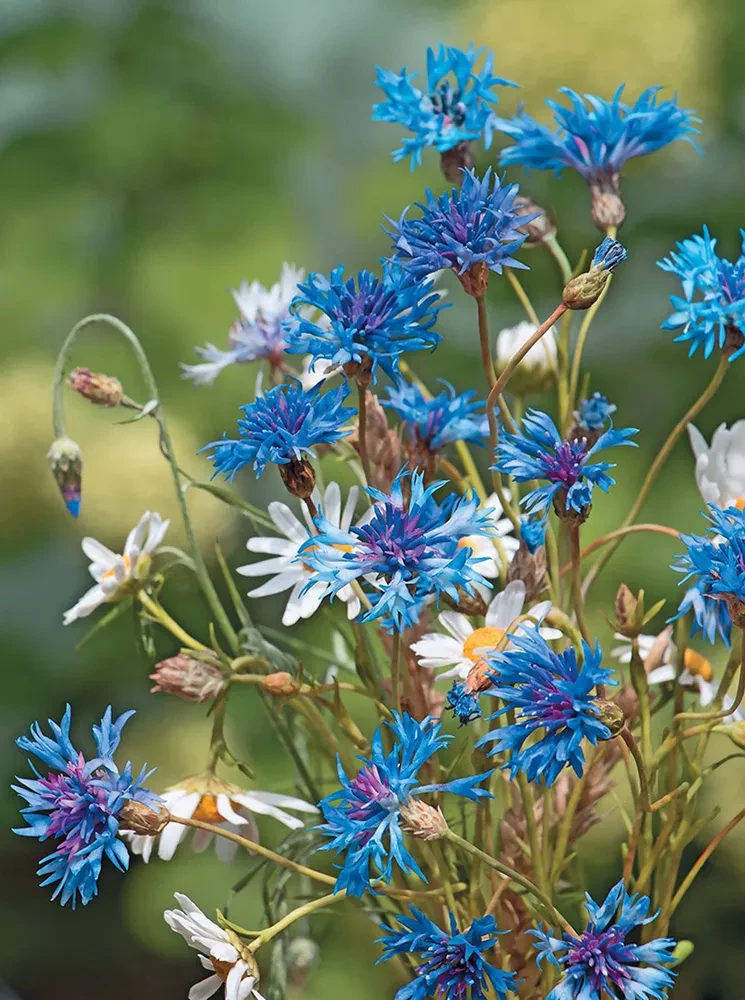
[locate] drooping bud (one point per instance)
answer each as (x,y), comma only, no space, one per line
(423,821)
(281,683)
(608,210)
(475,279)
(66,463)
(102,390)
(188,678)
(611,715)
(299,477)
(452,162)
(138,818)
(540,228)
(584,290)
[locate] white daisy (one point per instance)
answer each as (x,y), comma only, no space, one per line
(115,574)
(288,574)
(697,672)
(483,547)
(465,645)
(720,468)
(220,952)
(217,802)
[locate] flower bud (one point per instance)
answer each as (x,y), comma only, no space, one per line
(530,568)
(467,604)
(608,210)
(188,678)
(454,160)
(475,279)
(136,817)
(611,715)
(298,477)
(66,463)
(540,228)
(423,821)
(625,609)
(537,370)
(102,390)
(584,290)
(281,683)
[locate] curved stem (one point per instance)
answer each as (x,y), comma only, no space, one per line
(557,252)
(685,885)
(628,738)
(522,295)
(362,432)
(161,615)
(265,936)
(662,457)
(499,385)
(660,529)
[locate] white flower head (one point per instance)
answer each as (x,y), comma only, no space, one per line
(464,646)
(720,468)
(220,952)
(116,575)
(542,356)
(221,804)
(286,572)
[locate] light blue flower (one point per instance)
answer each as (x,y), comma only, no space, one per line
(78,804)
(452,964)
(455,108)
(594,413)
(713,304)
(444,418)
(363,818)
(601,963)
(533,532)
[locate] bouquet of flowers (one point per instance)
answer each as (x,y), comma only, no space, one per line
(459,601)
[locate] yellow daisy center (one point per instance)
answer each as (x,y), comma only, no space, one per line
(697,665)
(206,810)
(480,639)
(470,541)
(341,548)
(740,503)
(112,572)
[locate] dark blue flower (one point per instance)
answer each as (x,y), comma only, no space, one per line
(369,321)
(464,704)
(713,304)
(601,963)
(547,691)
(594,413)
(408,545)
(474,224)
(452,963)
(280,426)
(538,452)
(78,804)
(454,109)
(441,420)
(364,819)
(598,137)
(533,532)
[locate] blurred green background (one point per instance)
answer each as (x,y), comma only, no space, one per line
(153,154)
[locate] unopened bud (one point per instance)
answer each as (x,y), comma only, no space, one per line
(626,610)
(611,715)
(280,683)
(475,279)
(298,477)
(66,463)
(733,340)
(138,818)
(538,229)
(422,821)
(188,678)
(453,161)
(584,290)
(102,390)
(608,210)
(467,604)
(530,568)
(575,515)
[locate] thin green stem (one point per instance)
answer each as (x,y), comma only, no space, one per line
(159,613)
(557,252)
(580,345)
(628,738)
(396,672)
(301,911)
(522,295)
(579,604)
(486,358)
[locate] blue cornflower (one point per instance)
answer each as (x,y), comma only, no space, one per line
(79,804)
(280,426)
(596,139)
(548,691)
(538,452)
(594,413)
(452,963)
(713,306)
(455,108)
(533,532)
(474,226)
(600,962)
(410,548)
(441,420)
(710,617)
(464,703)
(372,807)
(370,321)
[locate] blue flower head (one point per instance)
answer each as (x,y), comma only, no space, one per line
(451,963)
(464,704)
(712,308)
(475,225)
(596,139)
(409,546)
(716,564)
(369,321)
(455,108)
(533,532)
(609,254)
(281,426)
(537,451)
(79,804)
(594,413)
(363,818)
(548,691)
(439,421)
(601,962)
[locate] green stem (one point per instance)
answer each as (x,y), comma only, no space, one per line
(161,615)
(628,738)
(301,911)
(580,346)
(579,604)
(396,671)
(486,358)
(522,295)
(557,252)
